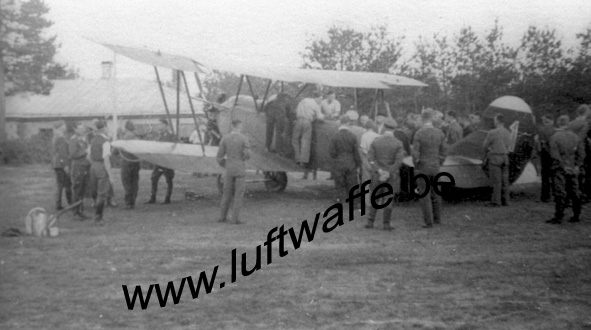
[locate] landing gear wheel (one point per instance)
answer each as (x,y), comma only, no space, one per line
(275,181)
(220,183)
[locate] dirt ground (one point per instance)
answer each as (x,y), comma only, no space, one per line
(483,268)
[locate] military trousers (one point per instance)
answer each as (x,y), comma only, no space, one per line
(233,196)
(156,174)
(498,168)
(566,186)
(80,181)
(63,183)
(130,177)
(301,140)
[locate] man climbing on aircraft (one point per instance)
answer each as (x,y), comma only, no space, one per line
(307,111)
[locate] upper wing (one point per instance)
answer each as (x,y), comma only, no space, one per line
(158,58)
(373,80)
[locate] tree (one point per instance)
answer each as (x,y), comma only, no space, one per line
(26,52)
(349,50)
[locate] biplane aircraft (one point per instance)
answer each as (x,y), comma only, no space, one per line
(463,162)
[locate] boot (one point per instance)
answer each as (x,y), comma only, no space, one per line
(152,200)
(386,216)
(100,206)
(79,214)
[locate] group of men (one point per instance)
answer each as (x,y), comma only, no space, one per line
(82,164)
(564,151)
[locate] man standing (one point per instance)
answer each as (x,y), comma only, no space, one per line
(331,108)
(100,170)
(496,148)
(277,121)
(164,135)
(385,156)
(367,139)
(80,168)
(567,155)
(233,153)
(543,146)
(455,132)
(130,168)
(307,111)
(61,164)
(343,149)
(579,125)
(428,153)
(474,124)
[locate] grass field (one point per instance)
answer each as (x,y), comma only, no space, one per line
(483,268)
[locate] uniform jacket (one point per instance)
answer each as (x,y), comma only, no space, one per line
(386,153)
(343,148)
(60,153)
(566,150)
(428,149)
(497,141)
(455,132)
(233,152)
(78,148)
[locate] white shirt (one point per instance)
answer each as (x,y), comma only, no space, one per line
(106,146)
(366,140)
(308,109)
(194,138)
(332,109)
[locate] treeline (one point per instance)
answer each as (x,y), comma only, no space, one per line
(465,72)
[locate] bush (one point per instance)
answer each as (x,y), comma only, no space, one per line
(36,150)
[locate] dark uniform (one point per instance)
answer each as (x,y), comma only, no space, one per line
(343,148)
(496,147)
(455,132)
(544,135)
(130,172)
(164,136)
(234,150)
(277,123)
(428,153)
(386,153)
(59,162)
(80,170)
(567,155)
(98,173)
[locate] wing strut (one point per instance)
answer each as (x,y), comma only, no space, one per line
(178,103)
(254,99)
(163,97)
(266,93)
(193,112)
(237,94)
(301,90)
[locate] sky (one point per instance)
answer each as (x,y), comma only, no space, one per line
(277,32)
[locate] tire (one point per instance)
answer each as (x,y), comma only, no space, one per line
(275,181)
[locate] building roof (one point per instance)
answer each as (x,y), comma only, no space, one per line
(80,98)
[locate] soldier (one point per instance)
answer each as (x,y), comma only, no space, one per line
(276,115)
(543,146)
(100,170)
(455,132)
(385,156)
(307,111)
(496,147)
(343,148)
(428,153)
(164,135)
(474,124)
(330,106)
(130,168)
(80,168)
(567,155)
(61,164)
(233,153)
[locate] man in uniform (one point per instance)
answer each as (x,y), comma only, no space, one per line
(455,132)
(100,170)
(331,108)
(277,121)
(343,149)
(543,146)
(80,168)
(307,111)
(130,168)
(233,153)
(164,135)
(61,164)
(567,155)
(428,153)
(496,147)
(385,156)
(474,124)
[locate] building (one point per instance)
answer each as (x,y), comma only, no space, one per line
(84,100)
